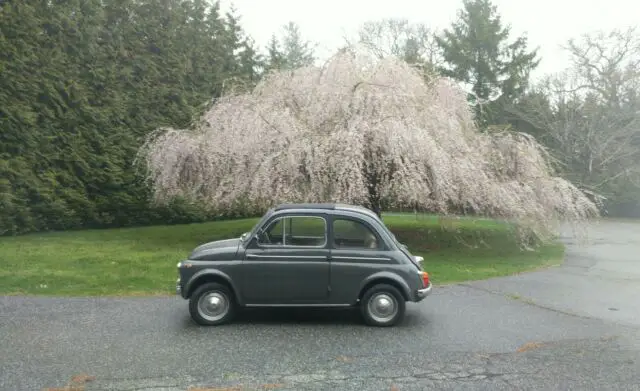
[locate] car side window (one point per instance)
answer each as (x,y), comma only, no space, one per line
(298,231)
(349,234)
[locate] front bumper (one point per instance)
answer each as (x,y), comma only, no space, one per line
(178,287)
(424,292)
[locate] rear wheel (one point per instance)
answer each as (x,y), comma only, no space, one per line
(382,305)
(212,304)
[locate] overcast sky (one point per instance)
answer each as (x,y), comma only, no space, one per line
(548,23)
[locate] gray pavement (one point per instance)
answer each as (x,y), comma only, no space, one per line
(548,330)
(600,276)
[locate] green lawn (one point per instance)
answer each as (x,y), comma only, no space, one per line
(142,261)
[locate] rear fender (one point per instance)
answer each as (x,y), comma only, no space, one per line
(385,277)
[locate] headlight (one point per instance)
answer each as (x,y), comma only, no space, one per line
(184,264)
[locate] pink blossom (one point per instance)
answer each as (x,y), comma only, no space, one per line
(320,134)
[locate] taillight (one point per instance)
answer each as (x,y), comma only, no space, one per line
(425,279)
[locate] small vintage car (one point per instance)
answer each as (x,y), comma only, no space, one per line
(305,255)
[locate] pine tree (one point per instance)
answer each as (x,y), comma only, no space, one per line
(477,52)
(275,57)
(290,51)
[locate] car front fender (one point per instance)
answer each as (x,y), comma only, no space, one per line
(211,275)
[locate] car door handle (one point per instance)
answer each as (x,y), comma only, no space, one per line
(252,256)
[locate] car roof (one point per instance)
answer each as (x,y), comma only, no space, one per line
(305,206)
(327,206)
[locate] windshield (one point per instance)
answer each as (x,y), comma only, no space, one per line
(258,224)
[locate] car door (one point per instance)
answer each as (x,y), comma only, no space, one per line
(287,263)
(357,251)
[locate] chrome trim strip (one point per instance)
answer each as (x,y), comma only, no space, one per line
(249,256)
(361,258)
(284,246)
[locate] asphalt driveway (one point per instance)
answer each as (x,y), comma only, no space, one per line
(600,276)
(571,327)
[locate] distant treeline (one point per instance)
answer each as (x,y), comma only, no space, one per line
(82,82)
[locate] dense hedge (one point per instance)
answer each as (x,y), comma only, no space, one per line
(83,81)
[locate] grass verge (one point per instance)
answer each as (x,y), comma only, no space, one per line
(142,261)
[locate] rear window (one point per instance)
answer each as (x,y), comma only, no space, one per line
(348,233)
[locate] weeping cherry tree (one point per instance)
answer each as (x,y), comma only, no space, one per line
(359,130)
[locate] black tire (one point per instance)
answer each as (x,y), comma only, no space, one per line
(382,291)
(219,292)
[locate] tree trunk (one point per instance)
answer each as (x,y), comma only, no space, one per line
(377,209)
(375,202)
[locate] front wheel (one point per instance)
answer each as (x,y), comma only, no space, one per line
(382,305)
(212,304)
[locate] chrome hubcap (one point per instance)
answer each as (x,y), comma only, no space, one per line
(382,307)
(213,306)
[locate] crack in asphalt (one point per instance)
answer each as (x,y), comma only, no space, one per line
(528,301)
(333,378)
(306,381)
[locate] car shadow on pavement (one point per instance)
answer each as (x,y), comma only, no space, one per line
(309,316)
(298,315)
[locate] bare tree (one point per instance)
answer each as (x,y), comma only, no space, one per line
(414,43)
(365,131)
(607,64)
(594,122)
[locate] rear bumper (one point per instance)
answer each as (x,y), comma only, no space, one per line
(420,294)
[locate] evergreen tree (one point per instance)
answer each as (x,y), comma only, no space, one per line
(477,52)
(290,51)
(240,52)
(275,57)
(83,81)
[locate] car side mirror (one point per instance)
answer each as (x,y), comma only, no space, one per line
(251,242)
(244,236)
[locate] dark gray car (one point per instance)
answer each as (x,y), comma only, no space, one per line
(305,255)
